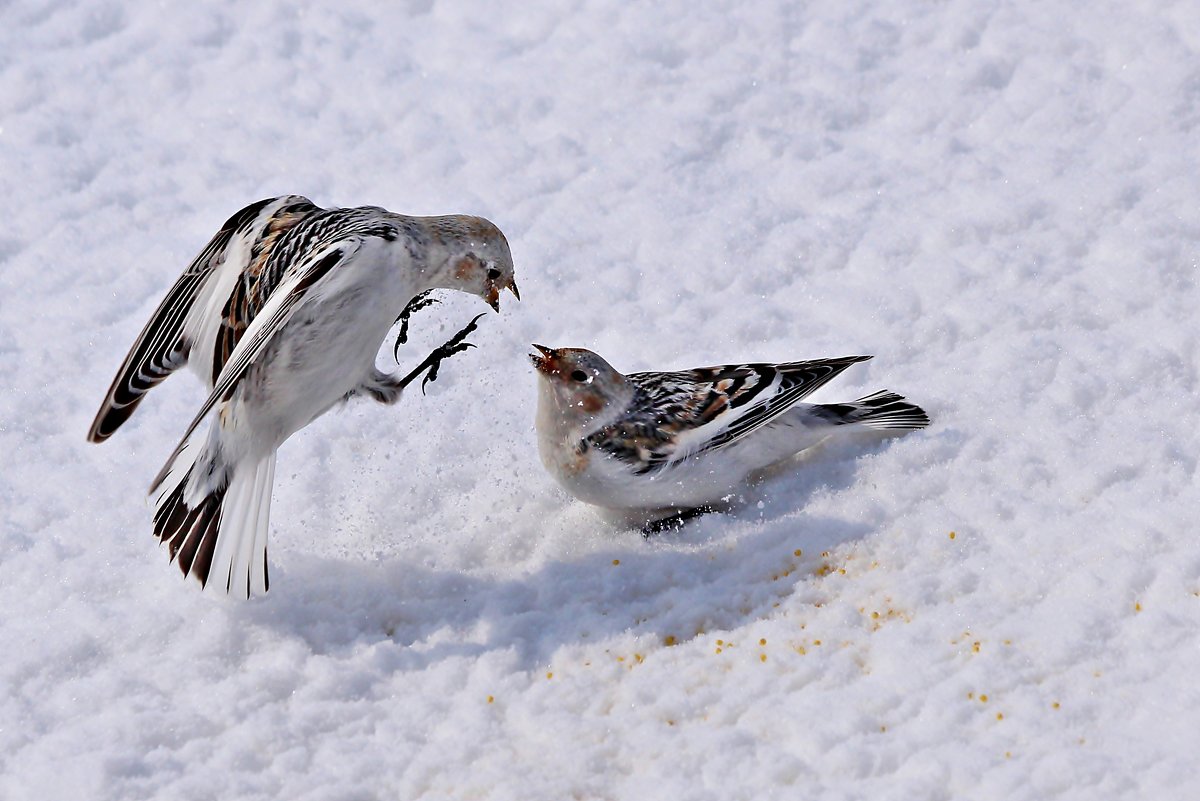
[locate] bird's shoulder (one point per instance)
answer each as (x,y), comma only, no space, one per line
(257,279)
(282,243)
(294,236)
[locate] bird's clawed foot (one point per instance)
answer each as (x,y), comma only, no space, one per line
(434,360)
(675,521)
(418,302)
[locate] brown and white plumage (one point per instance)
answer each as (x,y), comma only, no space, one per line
(680,440)
(282,315)
(183,319)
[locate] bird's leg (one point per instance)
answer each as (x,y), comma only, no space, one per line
(388,388)
(382,387)
(434,360)
(674,522)
(418,302)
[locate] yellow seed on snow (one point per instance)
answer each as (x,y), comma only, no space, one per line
(616,561)
(983,699)
(491,698)
(952,535)
(763,641)
(797,552)
(762,657)
(549,675)
(669,640)
(1055,705)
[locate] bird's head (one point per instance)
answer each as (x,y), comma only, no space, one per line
(478,260)
(579,387)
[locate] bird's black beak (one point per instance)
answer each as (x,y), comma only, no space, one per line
(547,361)
(495,287)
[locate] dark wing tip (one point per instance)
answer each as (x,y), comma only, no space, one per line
(108,420)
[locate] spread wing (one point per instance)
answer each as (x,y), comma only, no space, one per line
(165,343)
(677,415)
(261,276)
(274,315)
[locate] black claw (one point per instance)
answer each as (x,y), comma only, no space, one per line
(443,353)
(418,302)
(433,361)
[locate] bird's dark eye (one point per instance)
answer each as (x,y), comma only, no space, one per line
(493,274)
(579,375)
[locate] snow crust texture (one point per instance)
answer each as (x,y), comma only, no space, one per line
(1001,201)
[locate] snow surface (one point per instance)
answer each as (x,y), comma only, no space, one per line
(1001,201)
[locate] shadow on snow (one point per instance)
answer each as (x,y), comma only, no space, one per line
(717,573)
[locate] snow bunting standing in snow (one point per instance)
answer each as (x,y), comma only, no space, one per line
(679,441)
(282,315)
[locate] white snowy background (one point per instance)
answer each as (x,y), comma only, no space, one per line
(1001,201)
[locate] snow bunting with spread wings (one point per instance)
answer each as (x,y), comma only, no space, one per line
(282,315)
(679,441)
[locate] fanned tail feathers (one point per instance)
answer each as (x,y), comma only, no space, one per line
(220,538)
(882,410)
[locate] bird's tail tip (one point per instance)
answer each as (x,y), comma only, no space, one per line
(883,411)
(216,535)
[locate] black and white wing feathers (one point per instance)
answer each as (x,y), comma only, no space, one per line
(677,415)
(164,345)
